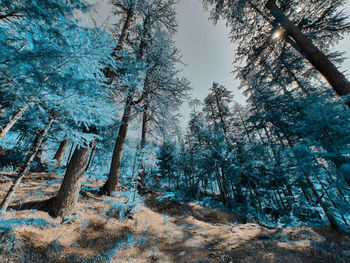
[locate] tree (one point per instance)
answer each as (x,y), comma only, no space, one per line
(321,24)
(59,70)
(60,151)
(65,201)
(24,168)
(314,55)
(155,15)
(217,108)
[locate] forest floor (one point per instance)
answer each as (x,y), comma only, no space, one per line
(160,231)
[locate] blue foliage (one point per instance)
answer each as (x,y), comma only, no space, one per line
(123,210)
(9,225)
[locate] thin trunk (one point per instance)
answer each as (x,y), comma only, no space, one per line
(143,143)
(15,118)
(113,178)
(39,154)
(169,183)
(330,217)
(220,185)
(92,156)
(21,138)
(332,181)
(290,193)
(60,152)
(120,44)
(67,197)
(256,197)
(297,81)
(306,194)
(329,196)
(23,170)
(70,154)
(282,202)
(244,125)
(225,187)
(129,17)
(133,179)
(315,56)
(252,197)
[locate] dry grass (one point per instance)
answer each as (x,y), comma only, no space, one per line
(158,232)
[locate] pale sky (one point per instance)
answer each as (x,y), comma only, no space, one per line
(206,49)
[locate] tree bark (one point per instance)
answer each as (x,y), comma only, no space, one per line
(60,152)
(314,55)
(70,154)
(142,174)
(40,152)
(113,178)
(91,158)
(23,170)
(15,118)
(221,187)
(67,197)
(129,16)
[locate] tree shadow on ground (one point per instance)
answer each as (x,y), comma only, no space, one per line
(40,205)
(205,214)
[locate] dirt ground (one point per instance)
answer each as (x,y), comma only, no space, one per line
(157,232)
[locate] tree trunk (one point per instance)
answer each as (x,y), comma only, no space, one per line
(60,152)
(330,217)
(244,125)
(282,202)
(306,195)
(125,30)
(67,197)
(220,186)
(39,154)
(23,170)
(70,154)
(315,56)
(143,143)
(15,118)
(113,177)
(91,158)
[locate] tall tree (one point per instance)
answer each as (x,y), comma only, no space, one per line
(316,26)
(155,14)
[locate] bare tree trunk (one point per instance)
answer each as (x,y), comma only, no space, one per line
(15,118)
(143,143)
(67,197)
(70,154)
(315,56)
(91,158)
(23,170)
(39,154)
(129,16)
(60,152)
(113,177)
(120,44)
(221,188)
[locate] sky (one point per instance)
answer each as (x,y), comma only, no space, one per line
(206,49)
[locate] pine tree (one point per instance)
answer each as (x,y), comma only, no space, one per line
(155,15)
